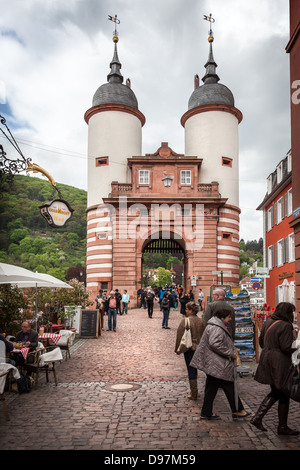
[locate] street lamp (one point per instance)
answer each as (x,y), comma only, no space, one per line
(167,180)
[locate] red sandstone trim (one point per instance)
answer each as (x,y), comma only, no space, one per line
(114,107)
(212,107)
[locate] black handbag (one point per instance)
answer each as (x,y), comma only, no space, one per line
(291,386)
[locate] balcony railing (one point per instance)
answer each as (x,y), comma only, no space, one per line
(203,189)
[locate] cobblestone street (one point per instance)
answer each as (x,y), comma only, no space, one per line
(127,390)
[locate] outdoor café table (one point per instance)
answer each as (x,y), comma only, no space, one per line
(50,336)
(24,351)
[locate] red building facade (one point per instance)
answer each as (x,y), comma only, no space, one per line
(293,48)
(279,249)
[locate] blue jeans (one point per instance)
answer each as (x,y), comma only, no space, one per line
(192,372)
(125,305)
(112,312)
(165,317)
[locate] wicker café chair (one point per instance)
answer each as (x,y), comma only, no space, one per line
(2,397)
(41,365)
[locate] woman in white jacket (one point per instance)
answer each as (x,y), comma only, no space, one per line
(215,356)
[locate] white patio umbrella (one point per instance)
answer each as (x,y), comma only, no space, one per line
(11,274)
(45,280)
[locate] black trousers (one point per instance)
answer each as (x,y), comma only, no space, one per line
(279,395)
(150,309)
(211,388)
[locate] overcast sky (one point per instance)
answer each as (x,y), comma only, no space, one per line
(55,54)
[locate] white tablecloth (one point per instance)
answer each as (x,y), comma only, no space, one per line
(4,367)
(51,356)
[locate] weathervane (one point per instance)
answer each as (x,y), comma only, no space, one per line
(211,20)
(115,20)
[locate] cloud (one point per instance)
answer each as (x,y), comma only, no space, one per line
(57,53)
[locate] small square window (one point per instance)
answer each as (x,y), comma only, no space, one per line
(227,162)
(101,161)
(185,176)
(144,176)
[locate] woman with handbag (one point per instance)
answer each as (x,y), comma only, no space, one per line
(196,326)
(276,341)
(216,356)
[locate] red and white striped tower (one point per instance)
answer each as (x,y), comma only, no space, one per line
(114,134)
(211,133)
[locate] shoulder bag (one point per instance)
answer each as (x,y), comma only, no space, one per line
(186,340)
(291,386)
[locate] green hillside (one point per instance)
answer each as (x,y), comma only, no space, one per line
(27,240)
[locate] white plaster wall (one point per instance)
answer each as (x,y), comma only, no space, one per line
(117,135)
(212,135)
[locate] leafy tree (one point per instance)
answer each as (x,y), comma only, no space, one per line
(25,236)
(164,277)
(12,309)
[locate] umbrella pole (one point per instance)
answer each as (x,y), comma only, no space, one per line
(36,309)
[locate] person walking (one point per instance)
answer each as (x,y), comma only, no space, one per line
(125,302)
(215,356)
(119,298)
(100,301)
(150,301)
(219,303)
(197,326)
(140,294)
(165,307)
(184,300)
(112,305)
(276,340)
(200,298)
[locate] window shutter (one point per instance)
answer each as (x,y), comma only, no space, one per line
(272,217)
(286,204)
(276,254)
(272,257)
(287,255)
(276,213)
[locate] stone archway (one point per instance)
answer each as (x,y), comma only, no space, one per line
(159,244)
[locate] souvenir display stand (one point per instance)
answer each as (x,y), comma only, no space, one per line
(245,328)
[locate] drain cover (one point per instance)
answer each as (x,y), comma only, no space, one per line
(122,387)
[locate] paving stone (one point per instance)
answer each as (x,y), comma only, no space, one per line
(94,408)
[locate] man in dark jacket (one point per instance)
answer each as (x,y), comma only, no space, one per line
(150,301)
(30,338)
(219,303)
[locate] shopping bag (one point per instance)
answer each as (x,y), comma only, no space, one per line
(291,386)
(186,340)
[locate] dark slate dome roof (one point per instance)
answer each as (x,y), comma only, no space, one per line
(211,92)
(114,92)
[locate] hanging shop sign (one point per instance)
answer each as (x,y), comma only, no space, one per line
(56,212)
